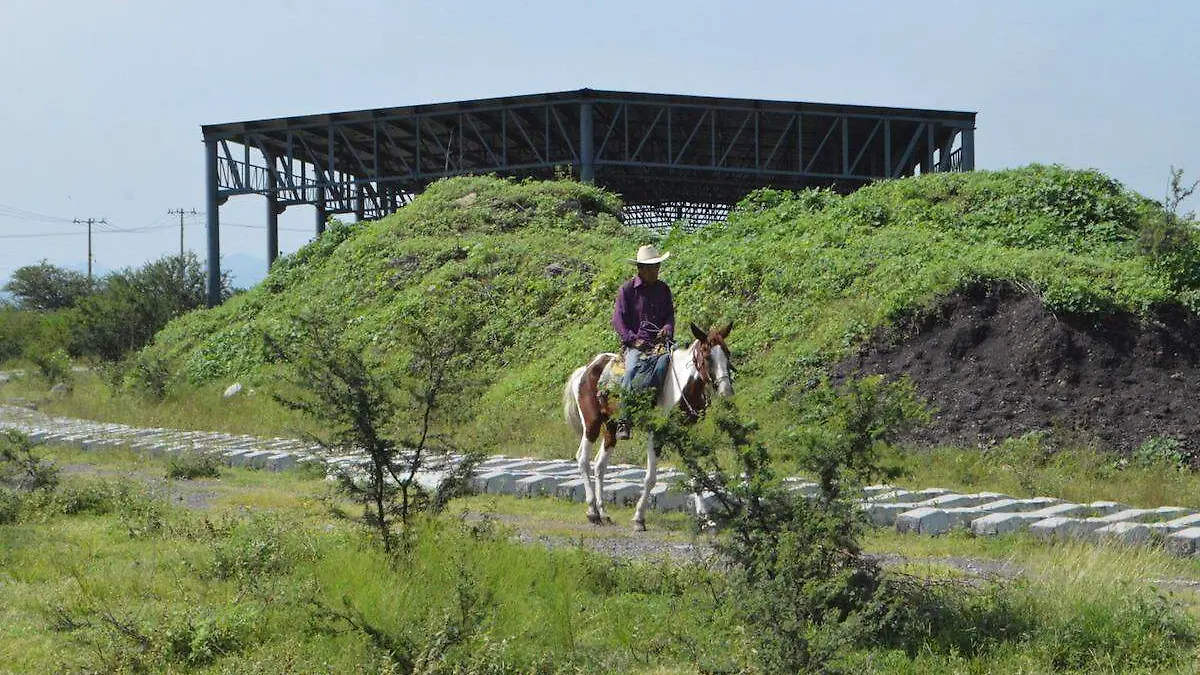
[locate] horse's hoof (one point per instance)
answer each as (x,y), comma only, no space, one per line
(608,520)
(639,526)
(594,519)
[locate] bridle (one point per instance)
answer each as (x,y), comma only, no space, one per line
(700,353)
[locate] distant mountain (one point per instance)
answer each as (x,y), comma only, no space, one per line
(245,271)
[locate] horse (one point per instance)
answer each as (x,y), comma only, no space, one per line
(704,365)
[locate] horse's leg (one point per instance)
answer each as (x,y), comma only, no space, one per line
(639,514)
(606,444)
(584,458)
(701,506)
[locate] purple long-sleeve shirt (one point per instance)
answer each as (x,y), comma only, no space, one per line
(642,309)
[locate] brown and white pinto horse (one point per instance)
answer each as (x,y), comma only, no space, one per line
(704,365)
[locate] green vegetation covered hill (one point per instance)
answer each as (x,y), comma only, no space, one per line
(806,277)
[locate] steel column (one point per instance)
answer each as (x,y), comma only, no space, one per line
(968,149)
(212,206)
(927,165)
(272,230)
(321,214)
(586,154)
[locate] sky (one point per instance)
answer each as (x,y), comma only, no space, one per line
(103,99)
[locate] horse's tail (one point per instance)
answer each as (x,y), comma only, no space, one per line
(571,400)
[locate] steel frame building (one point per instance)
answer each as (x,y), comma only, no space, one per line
(670,157)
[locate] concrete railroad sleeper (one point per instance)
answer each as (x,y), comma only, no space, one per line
(931,511)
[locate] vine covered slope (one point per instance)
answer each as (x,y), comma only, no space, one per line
(815,283)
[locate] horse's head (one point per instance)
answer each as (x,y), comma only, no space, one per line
(711,358)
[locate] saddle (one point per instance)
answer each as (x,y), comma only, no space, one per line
(651,371)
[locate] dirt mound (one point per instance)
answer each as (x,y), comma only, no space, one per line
(994,363)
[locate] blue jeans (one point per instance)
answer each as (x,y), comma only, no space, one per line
(631,360)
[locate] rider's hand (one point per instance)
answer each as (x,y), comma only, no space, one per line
(662,333)
(639,344)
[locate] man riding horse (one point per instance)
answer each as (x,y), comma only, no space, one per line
(644,318)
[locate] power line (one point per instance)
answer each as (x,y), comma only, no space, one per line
(137,230)
(42,234)
(263,227)
(77,233)
(14,212)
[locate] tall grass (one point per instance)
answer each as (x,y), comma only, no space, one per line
(1034,466)
(200,408)
(127,582)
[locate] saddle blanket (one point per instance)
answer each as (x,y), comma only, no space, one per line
(651,371)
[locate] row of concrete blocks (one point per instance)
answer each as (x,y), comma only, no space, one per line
(527,477)
(929,511)
(938,511)
(496,475)
(234,450)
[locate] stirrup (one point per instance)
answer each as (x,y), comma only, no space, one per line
(622,431)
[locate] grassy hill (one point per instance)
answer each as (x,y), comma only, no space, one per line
(806,277)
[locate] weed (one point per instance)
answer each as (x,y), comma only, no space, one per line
(1161,452)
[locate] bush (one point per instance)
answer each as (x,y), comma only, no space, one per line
(18,330)
(119,641)
(94,496)
(393,417)
(10,506)
(261,546)
(97,497)
(54,365)
(149,374)
(189,465)
(21,467)
(1163,452)
(130,306)
(799,581)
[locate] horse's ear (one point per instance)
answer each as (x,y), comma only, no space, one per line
(700,335)
(724,332)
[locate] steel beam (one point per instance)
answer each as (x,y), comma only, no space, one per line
(370,162)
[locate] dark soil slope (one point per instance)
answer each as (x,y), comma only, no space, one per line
(995,363)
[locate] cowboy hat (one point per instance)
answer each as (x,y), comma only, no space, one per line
(648,255)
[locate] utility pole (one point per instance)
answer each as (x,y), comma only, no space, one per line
(90,222)
(181,213)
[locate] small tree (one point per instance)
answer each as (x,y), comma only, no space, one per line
(844,431)
(46,287)
(800,581)
(393,417)
(1177,192)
